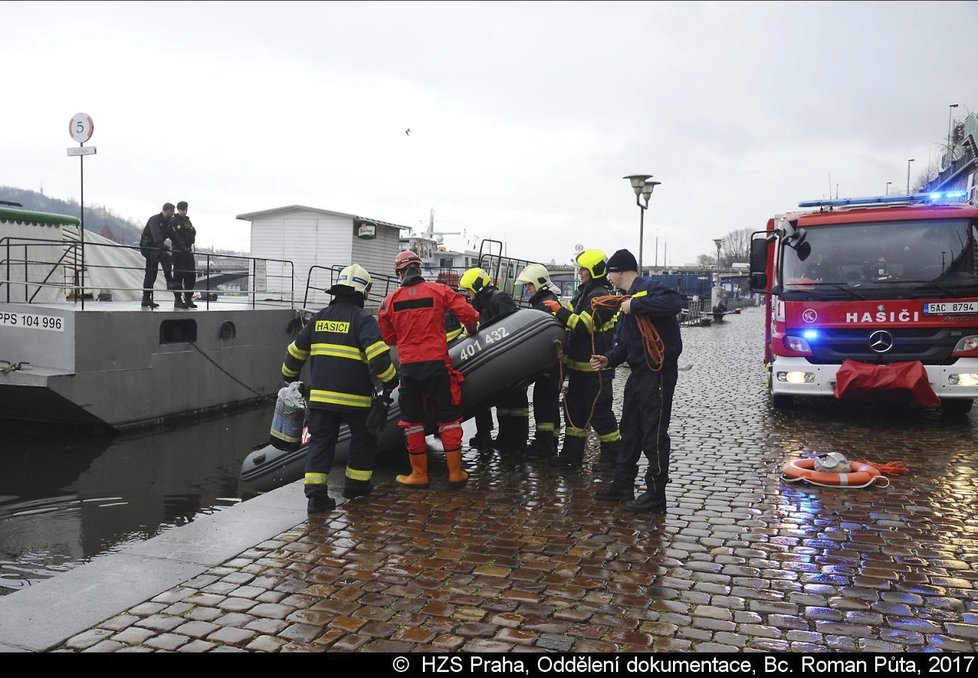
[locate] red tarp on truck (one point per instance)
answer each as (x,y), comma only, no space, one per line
(904,382)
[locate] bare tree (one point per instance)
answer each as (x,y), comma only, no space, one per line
(736,247)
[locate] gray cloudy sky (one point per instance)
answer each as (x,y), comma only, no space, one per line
(524,116)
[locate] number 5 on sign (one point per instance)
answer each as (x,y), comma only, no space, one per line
(81,127)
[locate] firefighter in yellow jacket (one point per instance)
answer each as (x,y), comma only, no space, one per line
(345,346)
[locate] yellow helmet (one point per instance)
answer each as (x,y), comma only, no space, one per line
(594,261)
(355,277)
(474,280)
(537,275)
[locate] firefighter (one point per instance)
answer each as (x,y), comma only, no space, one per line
(412,318)
(587,388)
(345,346)
(648,392)
(512,408)
(546,389)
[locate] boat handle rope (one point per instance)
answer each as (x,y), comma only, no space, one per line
(233,378)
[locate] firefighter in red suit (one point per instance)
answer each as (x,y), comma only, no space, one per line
(412,318)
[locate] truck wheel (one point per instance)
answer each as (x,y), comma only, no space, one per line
(781,401)
(953,407)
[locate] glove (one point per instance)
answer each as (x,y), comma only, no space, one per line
(554,306)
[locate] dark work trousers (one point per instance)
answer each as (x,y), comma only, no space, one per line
(513,413)
(427,379)
(645,419)
(184,273)
(583,388)
(546,404)
(483,422)
(324,429)
(155,258)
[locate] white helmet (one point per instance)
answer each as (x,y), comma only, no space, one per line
(355,277)
(537,275)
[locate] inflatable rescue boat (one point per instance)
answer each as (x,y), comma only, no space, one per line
(511,351)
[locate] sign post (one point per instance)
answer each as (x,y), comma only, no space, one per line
(81,127)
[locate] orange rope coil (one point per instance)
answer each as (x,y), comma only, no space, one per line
(655,349)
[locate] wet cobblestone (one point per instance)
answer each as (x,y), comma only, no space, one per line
(524,558)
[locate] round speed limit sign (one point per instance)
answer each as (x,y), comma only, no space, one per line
(81,127)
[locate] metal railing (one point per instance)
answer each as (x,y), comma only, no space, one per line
(254,269)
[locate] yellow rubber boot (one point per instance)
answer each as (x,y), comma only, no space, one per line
(419,472)
(456,476)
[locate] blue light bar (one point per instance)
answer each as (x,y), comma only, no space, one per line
(810,334)
(936,196)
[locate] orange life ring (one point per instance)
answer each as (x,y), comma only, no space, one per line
(862,474)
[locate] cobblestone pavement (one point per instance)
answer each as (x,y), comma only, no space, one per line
(524,558)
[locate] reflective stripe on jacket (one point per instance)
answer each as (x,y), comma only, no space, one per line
(345,346)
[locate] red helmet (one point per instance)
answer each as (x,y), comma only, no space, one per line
(405,259)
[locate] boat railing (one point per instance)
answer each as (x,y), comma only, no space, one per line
(322,278)
(30,273)
(504,270)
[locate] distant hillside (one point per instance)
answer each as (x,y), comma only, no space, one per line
(97,218)
(123,230)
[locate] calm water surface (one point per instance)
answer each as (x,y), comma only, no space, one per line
(68,497)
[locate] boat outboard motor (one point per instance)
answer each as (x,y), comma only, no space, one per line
(289,417)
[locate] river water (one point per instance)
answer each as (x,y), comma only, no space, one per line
(67,497)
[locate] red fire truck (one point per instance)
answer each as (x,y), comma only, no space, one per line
(859,285)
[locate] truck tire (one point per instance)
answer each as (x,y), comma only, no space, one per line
(956,407)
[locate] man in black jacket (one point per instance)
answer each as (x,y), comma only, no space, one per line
(183,235)
(152,245)
(512,408)
(649,390)
(345,346)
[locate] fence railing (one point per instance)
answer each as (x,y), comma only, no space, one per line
(32,264)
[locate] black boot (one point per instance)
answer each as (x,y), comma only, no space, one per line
(320,503)
(178,300)
(616,491)
(608,458)
(572,455)
(481,441)
(148,301)
(188,300)
(542,447)
(648,502)
(356,488)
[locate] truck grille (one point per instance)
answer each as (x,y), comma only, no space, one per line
(929,345)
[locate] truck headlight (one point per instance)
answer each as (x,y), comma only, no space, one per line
(797,344)
(969,343)
(797,377)
(963,379)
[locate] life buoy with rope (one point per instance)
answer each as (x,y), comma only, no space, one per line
(862,473)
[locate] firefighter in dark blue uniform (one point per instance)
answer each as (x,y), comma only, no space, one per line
(183,235)
(649,390)
(588,388)
(512,408)
(546,389)
(345,345)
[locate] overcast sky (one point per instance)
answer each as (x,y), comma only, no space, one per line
(524,117)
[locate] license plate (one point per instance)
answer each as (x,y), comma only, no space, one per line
(950,307)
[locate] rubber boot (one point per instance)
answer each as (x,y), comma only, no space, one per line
(148,301)
(456,476)
(188,300)
(419,472)
(319,502)
(542,447)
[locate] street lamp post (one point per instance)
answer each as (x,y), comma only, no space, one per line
(950,107)
(718,242)
(908,174)
(888,187)
(643,191)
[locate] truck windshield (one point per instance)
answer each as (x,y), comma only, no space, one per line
(933,257)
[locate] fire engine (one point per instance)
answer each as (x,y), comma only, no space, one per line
(871,283)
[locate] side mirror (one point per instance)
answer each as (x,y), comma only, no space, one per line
(758,262)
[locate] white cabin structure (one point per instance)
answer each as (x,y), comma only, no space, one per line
(310,236)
